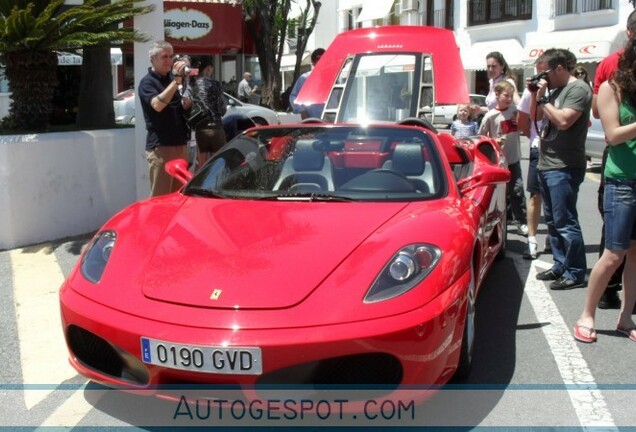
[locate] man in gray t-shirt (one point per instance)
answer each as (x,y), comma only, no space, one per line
(565,103)
(565,148)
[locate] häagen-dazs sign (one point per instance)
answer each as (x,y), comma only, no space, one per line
(186,24)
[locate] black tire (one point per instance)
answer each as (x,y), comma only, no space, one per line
(504,239)
(468,338)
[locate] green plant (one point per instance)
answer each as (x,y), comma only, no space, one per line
(32,31)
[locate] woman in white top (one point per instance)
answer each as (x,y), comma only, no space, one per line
(498,70)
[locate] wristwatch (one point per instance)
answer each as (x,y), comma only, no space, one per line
(543,100)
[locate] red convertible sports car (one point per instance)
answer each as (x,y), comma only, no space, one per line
(314,253)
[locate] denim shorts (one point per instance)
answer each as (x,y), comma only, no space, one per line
(619,207)
(532,181)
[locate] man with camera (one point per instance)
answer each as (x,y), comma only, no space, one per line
(564,103)
(164,108)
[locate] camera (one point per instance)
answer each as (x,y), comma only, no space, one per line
(188,71)
(533,83)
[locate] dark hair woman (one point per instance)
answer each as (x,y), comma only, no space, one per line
(617,108)
(498,70)
(211,136)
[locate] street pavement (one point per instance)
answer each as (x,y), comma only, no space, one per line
(528,369)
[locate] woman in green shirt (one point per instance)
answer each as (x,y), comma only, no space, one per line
(617,109)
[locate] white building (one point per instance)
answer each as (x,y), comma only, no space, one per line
(324,32)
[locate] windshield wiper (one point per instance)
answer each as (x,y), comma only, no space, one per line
(309,196)
(199,191)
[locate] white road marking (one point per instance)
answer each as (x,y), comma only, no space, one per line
(71,411)
(43,355)
(589,404)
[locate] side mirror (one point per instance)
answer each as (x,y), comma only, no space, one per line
(231,102)
(178,168)
(485,175)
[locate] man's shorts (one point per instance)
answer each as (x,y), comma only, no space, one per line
(532,182)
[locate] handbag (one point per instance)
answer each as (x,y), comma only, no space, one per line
(199,115)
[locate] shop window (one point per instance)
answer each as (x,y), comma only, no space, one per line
(439,13)
(352,16)
(563,7)
(482,12)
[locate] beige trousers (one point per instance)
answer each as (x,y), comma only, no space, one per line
(162,183)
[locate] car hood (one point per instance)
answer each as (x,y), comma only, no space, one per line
(255,255)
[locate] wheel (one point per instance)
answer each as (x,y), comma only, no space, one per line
(313,120)
(414,121)
(504,239)
(393,172)
(468,338)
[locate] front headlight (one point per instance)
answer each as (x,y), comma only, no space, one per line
(97,255)
(404,270)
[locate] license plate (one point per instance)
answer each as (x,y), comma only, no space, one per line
(199,358)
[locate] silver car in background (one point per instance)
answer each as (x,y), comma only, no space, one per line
(595,142)
(262,116)
(444,115)
(124,106)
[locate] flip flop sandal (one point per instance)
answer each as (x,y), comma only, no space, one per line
(583,338)
(628,332)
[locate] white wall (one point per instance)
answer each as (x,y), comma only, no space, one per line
(56,185)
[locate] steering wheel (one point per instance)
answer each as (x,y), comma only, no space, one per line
(390,171)
(313,120)
(400,180)
(414,121)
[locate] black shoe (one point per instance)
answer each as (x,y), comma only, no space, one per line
(565,284)
(548,248)
(609,300)
(548,275)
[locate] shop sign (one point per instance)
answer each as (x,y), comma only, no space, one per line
(187,24)
(582,51)
(205,28)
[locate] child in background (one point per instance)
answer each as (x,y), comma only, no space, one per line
(464,126)
(500,123)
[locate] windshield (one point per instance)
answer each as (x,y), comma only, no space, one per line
(334,163)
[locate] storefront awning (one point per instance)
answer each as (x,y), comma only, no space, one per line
(68,59)
(474,56)
(589,45)
(375,9)
(288,61)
